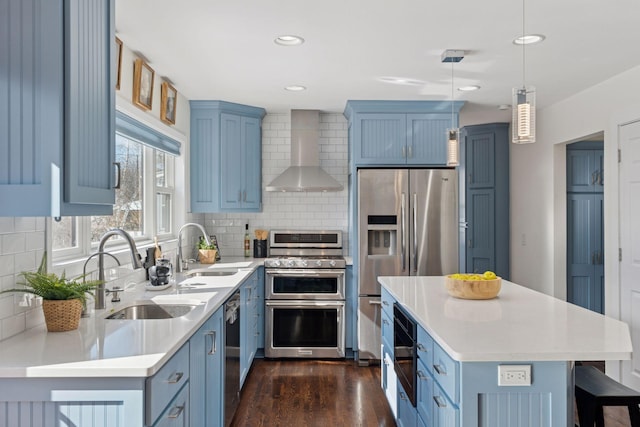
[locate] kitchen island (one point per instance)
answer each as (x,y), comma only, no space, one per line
(469,345)
(112,372)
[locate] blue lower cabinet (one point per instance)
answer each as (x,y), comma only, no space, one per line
(444,412)
(421,422)
(407,414)
(424,399)
(206,365)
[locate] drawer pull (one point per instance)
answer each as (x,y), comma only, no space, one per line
(440,369)
(385,321)
(385,303)
(176,378)
(440,402)
(213,350)
(422,348)
(176,411)
(403,396)
(422,375)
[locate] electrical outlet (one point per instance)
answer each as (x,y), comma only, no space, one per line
(514,375)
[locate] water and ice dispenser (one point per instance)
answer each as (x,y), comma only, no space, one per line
(382,235)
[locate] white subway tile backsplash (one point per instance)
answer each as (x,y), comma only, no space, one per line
(6,225)
(12,243)
(13,325)
(24,224)
(6,306)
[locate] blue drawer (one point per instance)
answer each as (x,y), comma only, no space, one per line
(387,302)
(424,399)
(446,372)
(165,384)
(425,349)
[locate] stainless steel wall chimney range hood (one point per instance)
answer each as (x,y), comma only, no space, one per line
(305,173)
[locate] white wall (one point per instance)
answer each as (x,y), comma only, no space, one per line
(538,185)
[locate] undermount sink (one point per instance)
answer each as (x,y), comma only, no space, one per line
(196,273)
(151,311)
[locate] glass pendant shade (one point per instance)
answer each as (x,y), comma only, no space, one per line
(523,125)
(453,147)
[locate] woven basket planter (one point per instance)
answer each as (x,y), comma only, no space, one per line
(62,315)
(207,256)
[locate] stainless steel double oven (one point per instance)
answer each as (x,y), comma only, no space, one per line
(305,295)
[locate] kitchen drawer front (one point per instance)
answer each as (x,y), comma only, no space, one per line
(177,414)
(446,372)
(387,303)
(424,399)
(165,384)
(444,412)
(386,324)
(425,349)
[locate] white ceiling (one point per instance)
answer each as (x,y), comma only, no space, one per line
(212,49)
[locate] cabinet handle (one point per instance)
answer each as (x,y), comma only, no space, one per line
(176,411)
(422,348)
(385,303)
(404,152)
(118,175)
(410,152)
(600,177)
(213,348)
(594,177)
(176,378)
(244,196)
(422,375)
(440,369)
(385,322)
(403,396)
(470,243)
(440,402)
(593,258)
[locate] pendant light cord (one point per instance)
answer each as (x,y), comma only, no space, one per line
(524,85)
(452,126)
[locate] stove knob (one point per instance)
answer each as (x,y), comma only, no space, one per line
(303,263)
(332,263)
(290,263)
(319,263)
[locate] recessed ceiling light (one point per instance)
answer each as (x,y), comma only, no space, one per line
(529,39)
(401,81)
(289,40)
(295,88)
(469,88)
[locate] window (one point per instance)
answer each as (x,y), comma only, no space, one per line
(143,206)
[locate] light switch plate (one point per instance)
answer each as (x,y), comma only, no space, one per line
(514,375)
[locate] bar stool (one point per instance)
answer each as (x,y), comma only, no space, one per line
(594,390)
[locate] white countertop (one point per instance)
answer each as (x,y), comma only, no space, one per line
(519,325)
(121,348)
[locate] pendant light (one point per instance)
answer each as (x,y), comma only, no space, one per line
(453,133)
(523,125)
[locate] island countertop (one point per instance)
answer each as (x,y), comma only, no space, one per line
(519,325)
(120,348)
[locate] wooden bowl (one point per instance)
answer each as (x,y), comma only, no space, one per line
(473,289)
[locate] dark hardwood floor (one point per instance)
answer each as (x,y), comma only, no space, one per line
(312,393)
(309,393)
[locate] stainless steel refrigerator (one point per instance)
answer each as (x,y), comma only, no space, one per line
(407,226)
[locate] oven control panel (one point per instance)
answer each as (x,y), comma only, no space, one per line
(337,262)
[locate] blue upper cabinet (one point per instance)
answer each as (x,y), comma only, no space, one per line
(484,198)
(226,152)
(57,105)
(400,132)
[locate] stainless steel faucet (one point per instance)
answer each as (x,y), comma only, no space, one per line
(135,260)
(178,266)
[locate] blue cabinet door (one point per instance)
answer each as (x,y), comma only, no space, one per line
(231,171)
(585,168)
(427,139)
(57,105)
(380,139)
(484,199)
(585,257)
(407,414)
(206,358)
(252,163)
(248,324)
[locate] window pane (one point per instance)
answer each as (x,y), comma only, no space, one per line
(163,213)
(127,211)
(161,169)
(65,233)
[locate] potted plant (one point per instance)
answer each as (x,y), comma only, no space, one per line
(63,299)
(206,253)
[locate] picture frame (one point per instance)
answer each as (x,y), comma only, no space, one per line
(168,103)
(143,76)
(118,62)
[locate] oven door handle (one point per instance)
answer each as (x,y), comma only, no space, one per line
(303,303)
(303,273)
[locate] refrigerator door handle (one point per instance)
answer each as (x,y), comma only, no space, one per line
(403,232)
(415,233)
